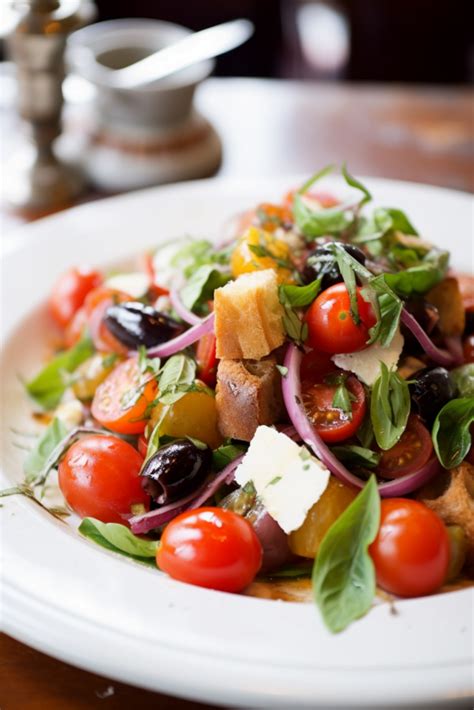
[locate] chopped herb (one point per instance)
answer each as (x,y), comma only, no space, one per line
(282,370)
(389,407)
(299,296)
(48,441)
(274,481)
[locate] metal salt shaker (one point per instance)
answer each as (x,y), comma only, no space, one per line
(38,182)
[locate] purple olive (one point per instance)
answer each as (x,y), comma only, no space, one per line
(176,470)
(135,324)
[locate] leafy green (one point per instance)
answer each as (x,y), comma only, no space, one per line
(225,454)
(356,455)
(420,278)
(201,285)
(348,275)
(451,431)
(388,308)
(46,444)
(300,296)
(343,573)
(196,253)
(119,538)
(176,378)
(295,328)
(297,570)
(389,407)
(353,182)
(49,385)
(463,379)
(343,398)
(146,364)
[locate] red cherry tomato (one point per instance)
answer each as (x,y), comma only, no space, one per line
(110,406)
(75,328)
(206,359)
(330,323)
(468,348)
(99,477)
(210,547)
(96,304)
(411,550)
(318,387)
(409,454)
(69,293)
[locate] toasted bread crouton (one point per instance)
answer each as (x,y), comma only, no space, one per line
(451,495)
(248,316)
(447,298)
(248,394)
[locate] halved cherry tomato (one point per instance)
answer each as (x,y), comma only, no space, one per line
(411,550)
(319,382)
(206,359)
(69,292)
(99,477)
(330,323)
(121,402)
(96,304)
(410,453)
(210,547)
(75,328)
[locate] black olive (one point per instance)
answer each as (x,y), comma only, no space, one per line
(135,324)
(430,391)
(321,263)
(176,470)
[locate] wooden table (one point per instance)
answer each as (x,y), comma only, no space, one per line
(269,127)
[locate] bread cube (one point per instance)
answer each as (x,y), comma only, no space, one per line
(249,316)
(248,394)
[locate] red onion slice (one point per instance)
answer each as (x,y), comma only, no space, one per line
(184,340)
(183,312)
(441,357)
(454,345)
(141,524)
(291,388)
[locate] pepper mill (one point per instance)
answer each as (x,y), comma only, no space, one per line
(38,182)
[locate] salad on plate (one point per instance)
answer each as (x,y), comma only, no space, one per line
(292,406)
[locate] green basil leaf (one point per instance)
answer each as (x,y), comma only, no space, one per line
(353,182)
(298,570)
(463,379)
(343,573)
(343,399)
(48,441)
(389,407)
(348,276)
(356,455)
(196,253)
(419,279)
(325,221)
(388,308)
(225,454)
(49,385)
(391,218)
(177,377)
(119,538)
(299,296)
(201,285)
(451,431)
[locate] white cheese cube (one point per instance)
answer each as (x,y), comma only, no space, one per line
(287,478)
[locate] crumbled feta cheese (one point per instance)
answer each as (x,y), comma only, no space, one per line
(71,413)
(135,284)
(366,363)
(287,478)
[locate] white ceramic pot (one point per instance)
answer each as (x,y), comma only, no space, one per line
(152,132)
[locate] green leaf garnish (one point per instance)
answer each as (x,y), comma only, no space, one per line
(48,387)
(356,455)
(225,454)
(451,431)
(177,377)
(299,296)
(389,407)
(353,182)
(201,285)
(46,444)
(463,379)
(343,573)
(119,538)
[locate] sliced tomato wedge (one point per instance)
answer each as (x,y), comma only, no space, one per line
(95,305)
(206,359)
(320,379)
(121,402)
(410,453)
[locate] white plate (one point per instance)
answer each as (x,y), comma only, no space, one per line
(64,596)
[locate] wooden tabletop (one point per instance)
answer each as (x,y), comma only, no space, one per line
(268,128)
